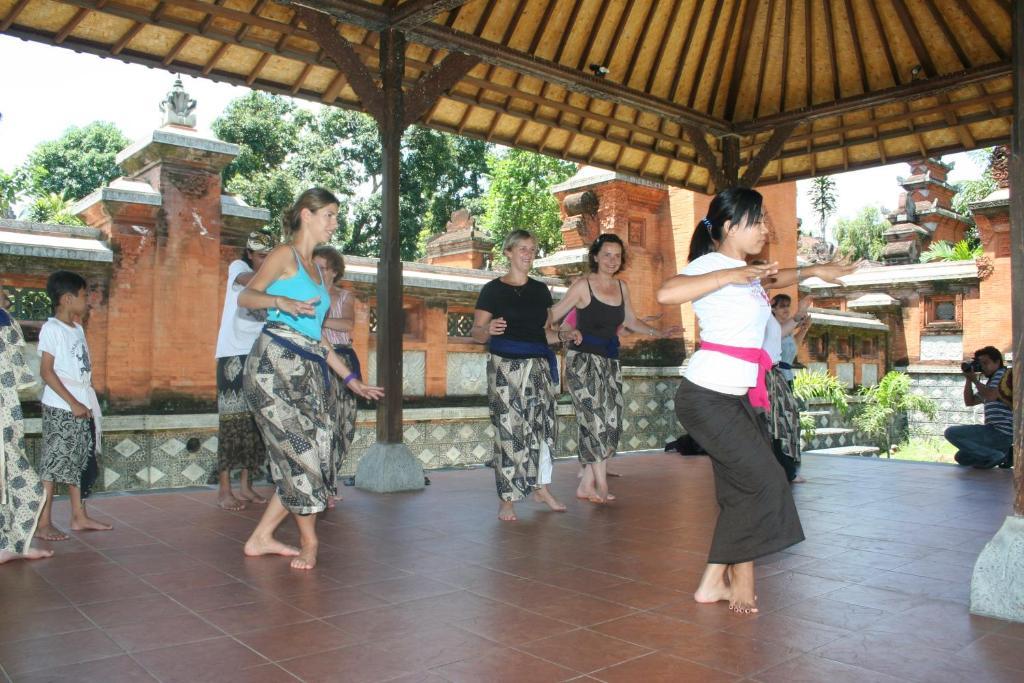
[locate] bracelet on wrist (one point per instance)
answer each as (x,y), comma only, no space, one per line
(348,378)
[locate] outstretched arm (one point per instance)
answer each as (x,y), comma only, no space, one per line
(829,272)
(635,324)
(683,288)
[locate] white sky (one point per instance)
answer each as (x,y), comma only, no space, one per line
(62,88)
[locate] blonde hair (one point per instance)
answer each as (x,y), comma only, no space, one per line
(335,261)
(514,238)
(314,199)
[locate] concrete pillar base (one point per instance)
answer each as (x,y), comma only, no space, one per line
(388,468)
(997,587)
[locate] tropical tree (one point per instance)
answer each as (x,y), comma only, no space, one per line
(53,208)
(519,196)
(76,163)
(12,185)
(944,251)
(974,190)
(823,200)
(861,237)
(266,128)
(883,413)
(286,149)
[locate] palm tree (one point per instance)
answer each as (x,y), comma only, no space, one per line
(823,200)
(944,251)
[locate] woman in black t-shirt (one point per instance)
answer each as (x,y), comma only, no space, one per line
(512,316)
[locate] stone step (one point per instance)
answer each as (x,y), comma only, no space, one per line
(866,451)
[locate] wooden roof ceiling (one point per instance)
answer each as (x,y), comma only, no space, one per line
(696,91)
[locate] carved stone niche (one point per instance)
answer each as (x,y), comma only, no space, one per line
(193,185)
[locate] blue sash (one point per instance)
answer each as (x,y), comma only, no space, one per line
(304,353)
(351,359)
(499,345)
(610,345)
(5,318)
(782,365)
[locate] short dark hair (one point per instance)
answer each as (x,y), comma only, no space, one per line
(63,282)
(335,261)
(595,248)
(992,352)
(781,299)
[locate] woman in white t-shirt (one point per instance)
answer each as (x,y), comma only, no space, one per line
(757,513)
(239,444)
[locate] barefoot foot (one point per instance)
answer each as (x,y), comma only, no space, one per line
(507,512)
(50,533)
(712,594)
(798,480)
(306,558)
(29,554)
(250,495)
(226,501)
(743,606)
(256,547)
(85,523)
(544,496)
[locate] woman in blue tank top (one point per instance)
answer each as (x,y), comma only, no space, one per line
(289,378)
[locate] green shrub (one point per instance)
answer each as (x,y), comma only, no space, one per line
(883,414)
(808,384)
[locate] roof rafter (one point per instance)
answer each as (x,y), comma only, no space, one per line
(436,36)
(416,12)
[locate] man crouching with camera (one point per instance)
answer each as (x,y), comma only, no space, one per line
(986,445)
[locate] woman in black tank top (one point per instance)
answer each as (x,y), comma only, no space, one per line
(602,306)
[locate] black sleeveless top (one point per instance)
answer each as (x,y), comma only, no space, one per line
(599,319)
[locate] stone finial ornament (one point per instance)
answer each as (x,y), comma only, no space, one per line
(581,214)
(999,166)
(178,107)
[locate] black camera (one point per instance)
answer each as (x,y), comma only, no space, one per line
(971,366)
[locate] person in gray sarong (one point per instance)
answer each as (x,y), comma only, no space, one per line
(593,373)
(513,315)
(287,379)
(21,490)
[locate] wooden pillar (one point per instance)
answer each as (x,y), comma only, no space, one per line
(1017,250)
(389,268)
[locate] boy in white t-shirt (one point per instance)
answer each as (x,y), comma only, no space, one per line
(70,409)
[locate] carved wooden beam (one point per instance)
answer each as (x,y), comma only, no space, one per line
(435,83)
(730,161)
(344,55)
(707,157)
(416,12)
(764,156)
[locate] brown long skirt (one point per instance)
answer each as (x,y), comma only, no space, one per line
(757,514)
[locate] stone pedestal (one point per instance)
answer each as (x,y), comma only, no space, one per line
(174,233)
(389,468)
(997,586)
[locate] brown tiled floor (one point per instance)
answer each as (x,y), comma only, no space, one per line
(430,587)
